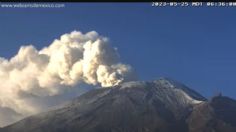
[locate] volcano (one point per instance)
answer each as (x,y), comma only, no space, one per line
(162,105)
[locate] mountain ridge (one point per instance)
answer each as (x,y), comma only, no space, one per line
(162,105)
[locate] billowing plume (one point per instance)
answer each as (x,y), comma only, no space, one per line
(32,78)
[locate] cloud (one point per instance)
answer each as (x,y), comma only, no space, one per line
(34,79)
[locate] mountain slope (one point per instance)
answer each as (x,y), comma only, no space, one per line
(217,115)
(159,106)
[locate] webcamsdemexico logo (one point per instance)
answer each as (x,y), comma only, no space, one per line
(31,5)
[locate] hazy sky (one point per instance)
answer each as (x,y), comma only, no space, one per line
(195,46)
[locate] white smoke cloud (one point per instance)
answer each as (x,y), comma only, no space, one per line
(32,79)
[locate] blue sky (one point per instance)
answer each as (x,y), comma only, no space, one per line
(195,46)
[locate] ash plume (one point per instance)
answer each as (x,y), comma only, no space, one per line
(35,79)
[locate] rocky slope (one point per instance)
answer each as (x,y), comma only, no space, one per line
(163,105)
